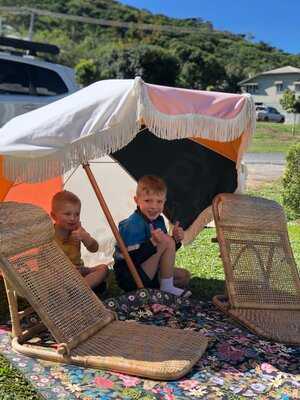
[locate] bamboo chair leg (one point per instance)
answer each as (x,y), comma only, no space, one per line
(215,240)
(17,316)
(13,308)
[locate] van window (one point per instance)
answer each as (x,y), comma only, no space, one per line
(46,82)
(14,78)
(26,79)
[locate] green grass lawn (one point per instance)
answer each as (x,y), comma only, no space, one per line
(201,258)
(273,138)
(13,386)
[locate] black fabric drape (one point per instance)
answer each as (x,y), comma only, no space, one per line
(193,173)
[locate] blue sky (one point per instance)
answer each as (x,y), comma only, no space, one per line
(275,22)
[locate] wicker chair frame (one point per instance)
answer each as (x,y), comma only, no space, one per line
(86,333)
(262,278)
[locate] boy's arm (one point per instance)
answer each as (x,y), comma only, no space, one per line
(83,236)
(90,243)
(149,247)
(177,235)
(139,247)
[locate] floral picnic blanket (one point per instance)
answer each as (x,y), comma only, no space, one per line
(237,364)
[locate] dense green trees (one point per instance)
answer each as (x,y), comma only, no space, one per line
(203,58)
(152,63)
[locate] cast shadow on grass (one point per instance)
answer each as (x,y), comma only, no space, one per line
(204,289)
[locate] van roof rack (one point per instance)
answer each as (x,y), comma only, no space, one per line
(32,47)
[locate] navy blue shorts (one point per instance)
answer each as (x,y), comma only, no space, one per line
(125,279)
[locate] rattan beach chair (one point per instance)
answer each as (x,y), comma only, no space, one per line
(262,279)
(87,334)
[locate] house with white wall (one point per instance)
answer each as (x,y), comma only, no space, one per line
(268,87)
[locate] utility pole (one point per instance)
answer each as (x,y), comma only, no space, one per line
(31,25)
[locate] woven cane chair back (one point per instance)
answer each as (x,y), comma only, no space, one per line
(41,272)
(259,266)
(87,333)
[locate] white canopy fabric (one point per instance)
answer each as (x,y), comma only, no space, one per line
(103,118)
(106,116)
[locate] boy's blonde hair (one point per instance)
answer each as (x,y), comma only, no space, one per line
(151,183)
(60,198)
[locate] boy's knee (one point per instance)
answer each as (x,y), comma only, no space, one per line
(105,269)
(167,245)
(102,269)
(170,243)
(162,246)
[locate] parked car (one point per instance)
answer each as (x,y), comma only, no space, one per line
(28,82)
(265,113)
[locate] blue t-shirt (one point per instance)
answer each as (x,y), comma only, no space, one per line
(135,230)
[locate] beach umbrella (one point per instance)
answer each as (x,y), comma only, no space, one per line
(194,140)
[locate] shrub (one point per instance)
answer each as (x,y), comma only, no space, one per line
(291,182)
(86,72)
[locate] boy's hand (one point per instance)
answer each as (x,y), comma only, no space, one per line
(79,234)
(178,232)
(158,236)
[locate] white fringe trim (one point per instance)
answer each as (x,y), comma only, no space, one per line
(95,145)
(99,144)
(192,125)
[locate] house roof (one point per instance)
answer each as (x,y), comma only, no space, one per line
(283,70)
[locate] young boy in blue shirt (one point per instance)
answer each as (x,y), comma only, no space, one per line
(148,243)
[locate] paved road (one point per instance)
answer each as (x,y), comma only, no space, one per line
(264,158)
(263,167)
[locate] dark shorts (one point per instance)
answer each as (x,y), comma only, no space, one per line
(126,281)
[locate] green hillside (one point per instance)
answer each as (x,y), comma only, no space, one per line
(204,58)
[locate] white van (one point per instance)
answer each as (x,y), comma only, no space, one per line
(27,82)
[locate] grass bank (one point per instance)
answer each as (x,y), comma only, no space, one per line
(273,138)
(203,261)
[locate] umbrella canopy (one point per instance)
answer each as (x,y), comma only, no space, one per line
(195,140)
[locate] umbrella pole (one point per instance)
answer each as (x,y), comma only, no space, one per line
(113,227)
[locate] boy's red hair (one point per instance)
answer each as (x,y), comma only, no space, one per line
(151,183)
(64,197)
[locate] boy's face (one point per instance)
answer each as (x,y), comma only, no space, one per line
(151,204)
(67,216)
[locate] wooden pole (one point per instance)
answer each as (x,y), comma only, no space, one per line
(113,227)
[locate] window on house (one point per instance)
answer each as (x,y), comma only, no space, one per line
(297,86)
(279,86)
(252,88)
